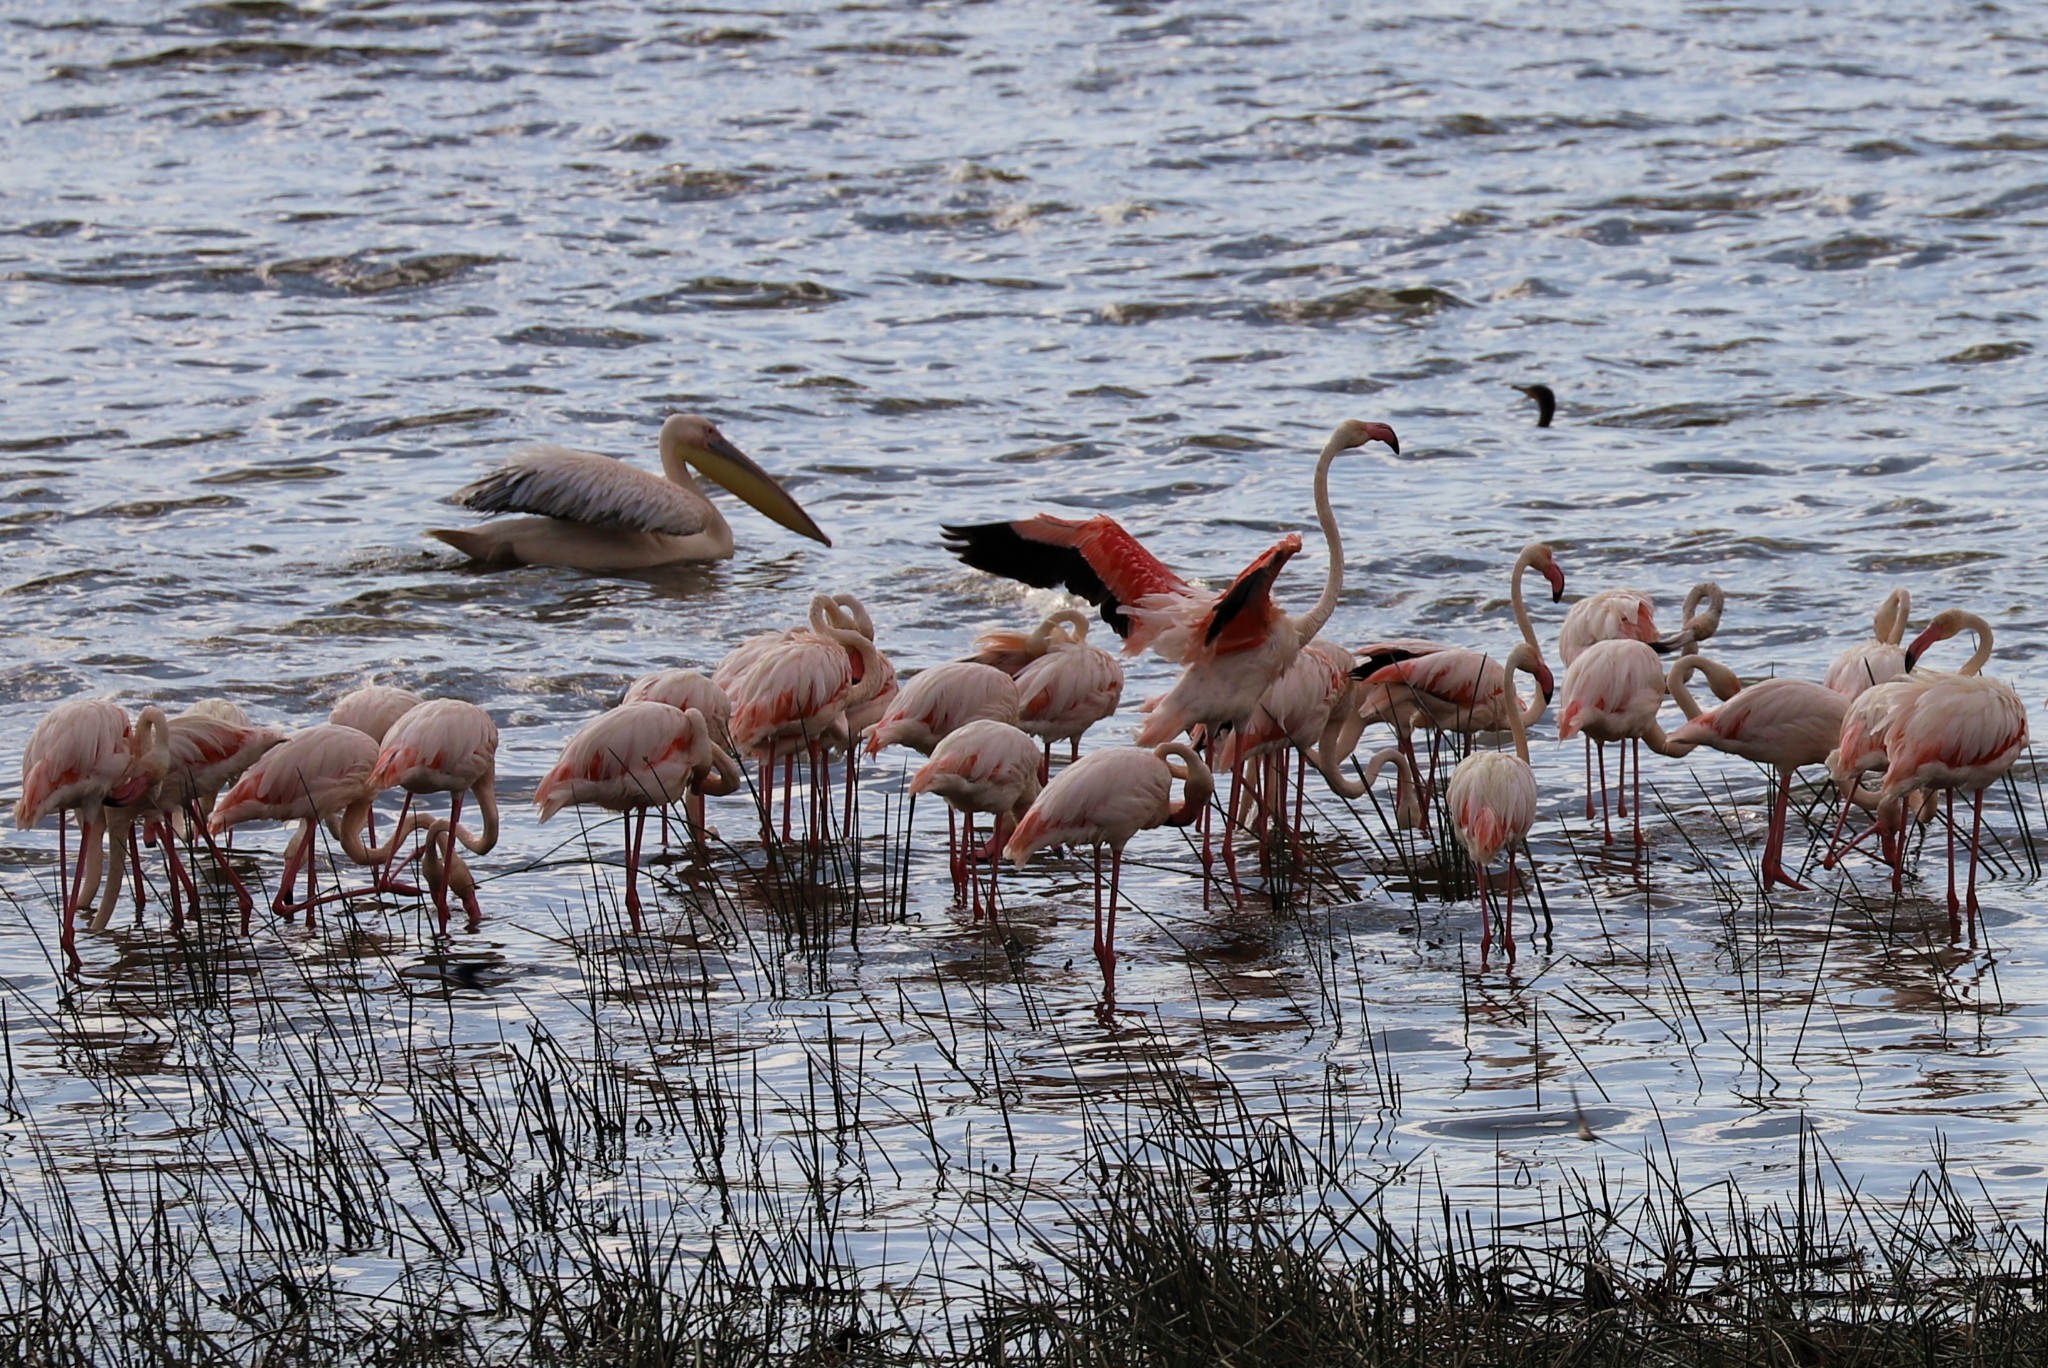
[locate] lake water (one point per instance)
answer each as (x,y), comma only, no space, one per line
(276,278)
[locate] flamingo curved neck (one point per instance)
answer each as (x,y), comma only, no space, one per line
(1980,657)
(1517,723)
(1697,622)
(1198,785)
(1522,563)
(1311,622)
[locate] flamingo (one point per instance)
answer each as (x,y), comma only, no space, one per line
(682,689)
(1106,798)
(1782,723)
(85,756)
(794,699)
(1880,659)
(446,746)
(211,744)
(1612,693)
(1453,689)
(319,774)
(1066,691)
(373,708)
(1240,643)
(1142,599)
(1064,685)
(1860,749)
(939,701)
(1294,713)
(598,513)
(1959,733)
(1492,801)
(1629,614)
(983,766)
(632,758)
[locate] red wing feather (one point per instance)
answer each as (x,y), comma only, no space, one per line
(1244,614)
(1093,557)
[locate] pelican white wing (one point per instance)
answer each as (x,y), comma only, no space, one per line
(585,487)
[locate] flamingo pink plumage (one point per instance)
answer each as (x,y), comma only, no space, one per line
(1611,693)
(637,756)
(1880,659)
(321,773)
(1106,798)
(1492,802)
(983,766)
(84,756)
(1781,723)
(445,746)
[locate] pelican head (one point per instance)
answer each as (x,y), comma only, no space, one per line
(688,438)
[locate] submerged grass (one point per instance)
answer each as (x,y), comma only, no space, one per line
(319,1155)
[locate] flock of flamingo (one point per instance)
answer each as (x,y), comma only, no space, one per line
(1257,685)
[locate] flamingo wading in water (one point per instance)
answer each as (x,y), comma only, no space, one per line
(1106,798)
(1492,802)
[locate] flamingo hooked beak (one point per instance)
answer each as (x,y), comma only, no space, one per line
(1380,432)
(1553,572)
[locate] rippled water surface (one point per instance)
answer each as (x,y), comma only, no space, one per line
(276,278)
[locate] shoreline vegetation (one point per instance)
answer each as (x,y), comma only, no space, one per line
(348,1173)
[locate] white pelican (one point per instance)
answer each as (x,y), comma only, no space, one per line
(598,513)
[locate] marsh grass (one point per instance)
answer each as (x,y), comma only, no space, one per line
(333,1150)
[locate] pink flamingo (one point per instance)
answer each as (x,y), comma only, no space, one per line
(794,699)
(1958,734)
(1452,690)
(635,757)
(446,746)
(682,689)
(1106,798)
(1294,714)
(320,774)
(937,702)
(1143,600)
(1629,615)
(1064,685)
(1880,659)
(1492,802)
(211,744)
(597,513)
(85,756)
(373,708)
(1612,693)
(1782,723)
(983,766)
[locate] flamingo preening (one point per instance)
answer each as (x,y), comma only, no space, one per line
(1064,685)
(1880,659)
(593,512)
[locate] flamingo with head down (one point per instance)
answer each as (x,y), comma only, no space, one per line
(1781,723)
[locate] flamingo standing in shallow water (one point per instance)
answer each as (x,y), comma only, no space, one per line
(1782,723)
(597,513)
(936,703)
(984,766)
(1064,685)
(1958,734)
(446,746)
(635,757)
(1453,690)
(683,689)
(794,700)
(209,748)
(1612,693)
(1106,798)
(312,776)
(1492,802)
(84,756)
